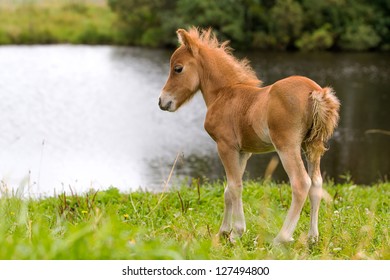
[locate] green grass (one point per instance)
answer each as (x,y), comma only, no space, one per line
(182,224)
(62,21)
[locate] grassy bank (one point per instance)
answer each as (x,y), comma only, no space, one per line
(62,21)
(182,224)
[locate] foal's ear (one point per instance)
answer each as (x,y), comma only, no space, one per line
(186,40)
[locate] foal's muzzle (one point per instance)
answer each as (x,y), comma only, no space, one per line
(164,107)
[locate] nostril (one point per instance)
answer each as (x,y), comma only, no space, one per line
(165,107)
(159,102)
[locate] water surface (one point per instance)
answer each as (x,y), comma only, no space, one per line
(84,117)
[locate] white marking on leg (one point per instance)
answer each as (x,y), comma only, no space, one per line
(227,216)
(315,195)
(300,184)
(239,225)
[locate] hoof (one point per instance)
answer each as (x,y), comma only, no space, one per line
(313,239)
(224,234)
(229,235)
(282,240)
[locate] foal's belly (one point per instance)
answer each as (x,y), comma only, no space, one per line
(255,143)
(258,148)
(253,136)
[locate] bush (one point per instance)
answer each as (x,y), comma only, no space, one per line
(285,22)
(263,41)
(359,38)
(4,38)
(320,39)
(273,24)
(139,20)
(268,24)
(39,22)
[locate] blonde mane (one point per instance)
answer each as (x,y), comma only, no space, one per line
(206,38)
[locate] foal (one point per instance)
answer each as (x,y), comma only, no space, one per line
(243,118)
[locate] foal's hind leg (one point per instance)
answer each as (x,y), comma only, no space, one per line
(315,194)
(300,184)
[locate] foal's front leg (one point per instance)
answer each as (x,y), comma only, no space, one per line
(234,162)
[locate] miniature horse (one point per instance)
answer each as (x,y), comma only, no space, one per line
(243,118)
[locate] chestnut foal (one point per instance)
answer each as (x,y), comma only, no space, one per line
(288,116)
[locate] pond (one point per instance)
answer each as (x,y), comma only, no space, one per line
(85,117)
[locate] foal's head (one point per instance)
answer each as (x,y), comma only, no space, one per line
(201,62)
(183,81)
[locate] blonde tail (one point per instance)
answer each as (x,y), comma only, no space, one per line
(325,106)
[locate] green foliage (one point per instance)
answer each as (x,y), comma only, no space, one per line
(43,22)
(308,25)
(285,22)
(141,21)
(319,39)
(225,16)
(182,224)
(360,37)
(280,24)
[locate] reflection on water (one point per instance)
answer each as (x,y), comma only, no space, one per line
(361,81)
(88,117)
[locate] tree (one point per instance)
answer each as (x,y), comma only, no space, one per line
(141,21)
(259,24)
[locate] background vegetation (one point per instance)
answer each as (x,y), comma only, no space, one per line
(182,224)
(351,25)
(51,22)
(262,24)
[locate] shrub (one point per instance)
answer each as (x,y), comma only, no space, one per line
(359,37)
(319,39)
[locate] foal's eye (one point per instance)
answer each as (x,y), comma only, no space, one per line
(178,68)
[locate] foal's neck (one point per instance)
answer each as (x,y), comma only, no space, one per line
(219,71)
(213,79)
